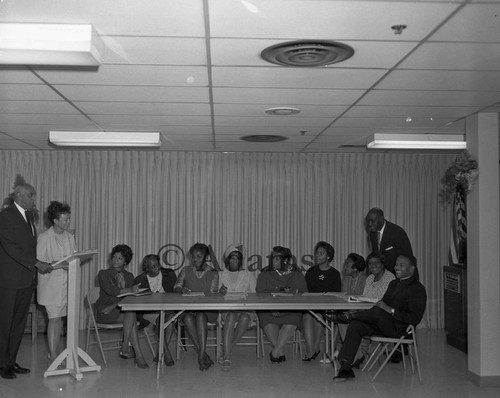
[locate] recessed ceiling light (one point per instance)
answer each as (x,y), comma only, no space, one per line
(263,138)
(282,111)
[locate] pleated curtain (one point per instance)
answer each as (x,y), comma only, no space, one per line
(163,202)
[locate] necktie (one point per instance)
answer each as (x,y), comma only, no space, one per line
(379,238)
(27,216)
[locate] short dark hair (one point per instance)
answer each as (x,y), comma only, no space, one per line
(147,260)
(330,251)
(56,209)
(377,211)
(358,260)
(200,247)
(125,251)
(380,256)
(285,252)
(412,259)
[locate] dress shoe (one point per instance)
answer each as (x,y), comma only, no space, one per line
(20,370)
(396,357)
(343,375)
(282,358)
(311,358)
(357,363)
(142,365)
(7,374)
(127,354)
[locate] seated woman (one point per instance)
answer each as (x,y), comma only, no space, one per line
(319,278)
(157,280)
(375,287)
(234,278)
(280,275)
(198,277)
(353,281)
(112,282)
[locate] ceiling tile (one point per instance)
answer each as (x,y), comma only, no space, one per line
(474,23)
(255,110)
(296,77)
(36,107)
(143,108)
(454,56)
(27,92)
(158,18)
(154,50)
(130,75)
(355,20)
(285,96)
(134,93)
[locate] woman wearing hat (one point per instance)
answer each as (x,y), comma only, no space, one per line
(235,279)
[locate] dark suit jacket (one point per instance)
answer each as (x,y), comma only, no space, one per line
(394,243)
(17,250)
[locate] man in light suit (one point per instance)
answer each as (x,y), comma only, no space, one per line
(18,267)
(387,238)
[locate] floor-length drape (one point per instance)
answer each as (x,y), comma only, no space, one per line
(149,199)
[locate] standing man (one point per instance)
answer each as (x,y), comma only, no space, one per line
(387,238)
(18,266)
(403,304)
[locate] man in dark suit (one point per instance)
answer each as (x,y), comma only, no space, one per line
(387,238)
(403,304)
(18,266)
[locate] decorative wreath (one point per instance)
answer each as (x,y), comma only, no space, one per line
(462,174)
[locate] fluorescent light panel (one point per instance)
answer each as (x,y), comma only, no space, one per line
(416,141)
(49,44)
(105,138)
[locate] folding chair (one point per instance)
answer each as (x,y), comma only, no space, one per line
(408,339)
(212,341)
(252,337)
(295,340)
(93,325)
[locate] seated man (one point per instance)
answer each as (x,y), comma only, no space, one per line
(403,304)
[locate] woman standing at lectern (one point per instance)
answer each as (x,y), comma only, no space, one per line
(53,245)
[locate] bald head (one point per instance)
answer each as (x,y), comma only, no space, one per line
(25,196)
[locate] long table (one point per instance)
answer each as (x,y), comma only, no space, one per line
(253,302)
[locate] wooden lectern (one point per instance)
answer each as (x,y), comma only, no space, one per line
(73,352)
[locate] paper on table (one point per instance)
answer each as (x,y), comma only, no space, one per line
(362,299)
(141,292)
(235,296)
(193,294)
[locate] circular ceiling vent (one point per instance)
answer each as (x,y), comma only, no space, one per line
(307,53)
(263,138)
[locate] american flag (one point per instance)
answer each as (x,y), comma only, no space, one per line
(458,241)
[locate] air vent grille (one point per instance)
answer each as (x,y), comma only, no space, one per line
(307,53)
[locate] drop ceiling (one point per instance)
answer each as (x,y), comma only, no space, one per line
(192,70)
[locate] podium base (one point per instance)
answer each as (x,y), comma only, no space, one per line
(72,368)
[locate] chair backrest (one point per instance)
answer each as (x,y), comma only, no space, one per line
(93,295)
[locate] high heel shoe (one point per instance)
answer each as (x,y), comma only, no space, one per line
(282,358)
(311,358)
(208,361)
(127,354)
(142,365)
(274,359)
(203,364)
